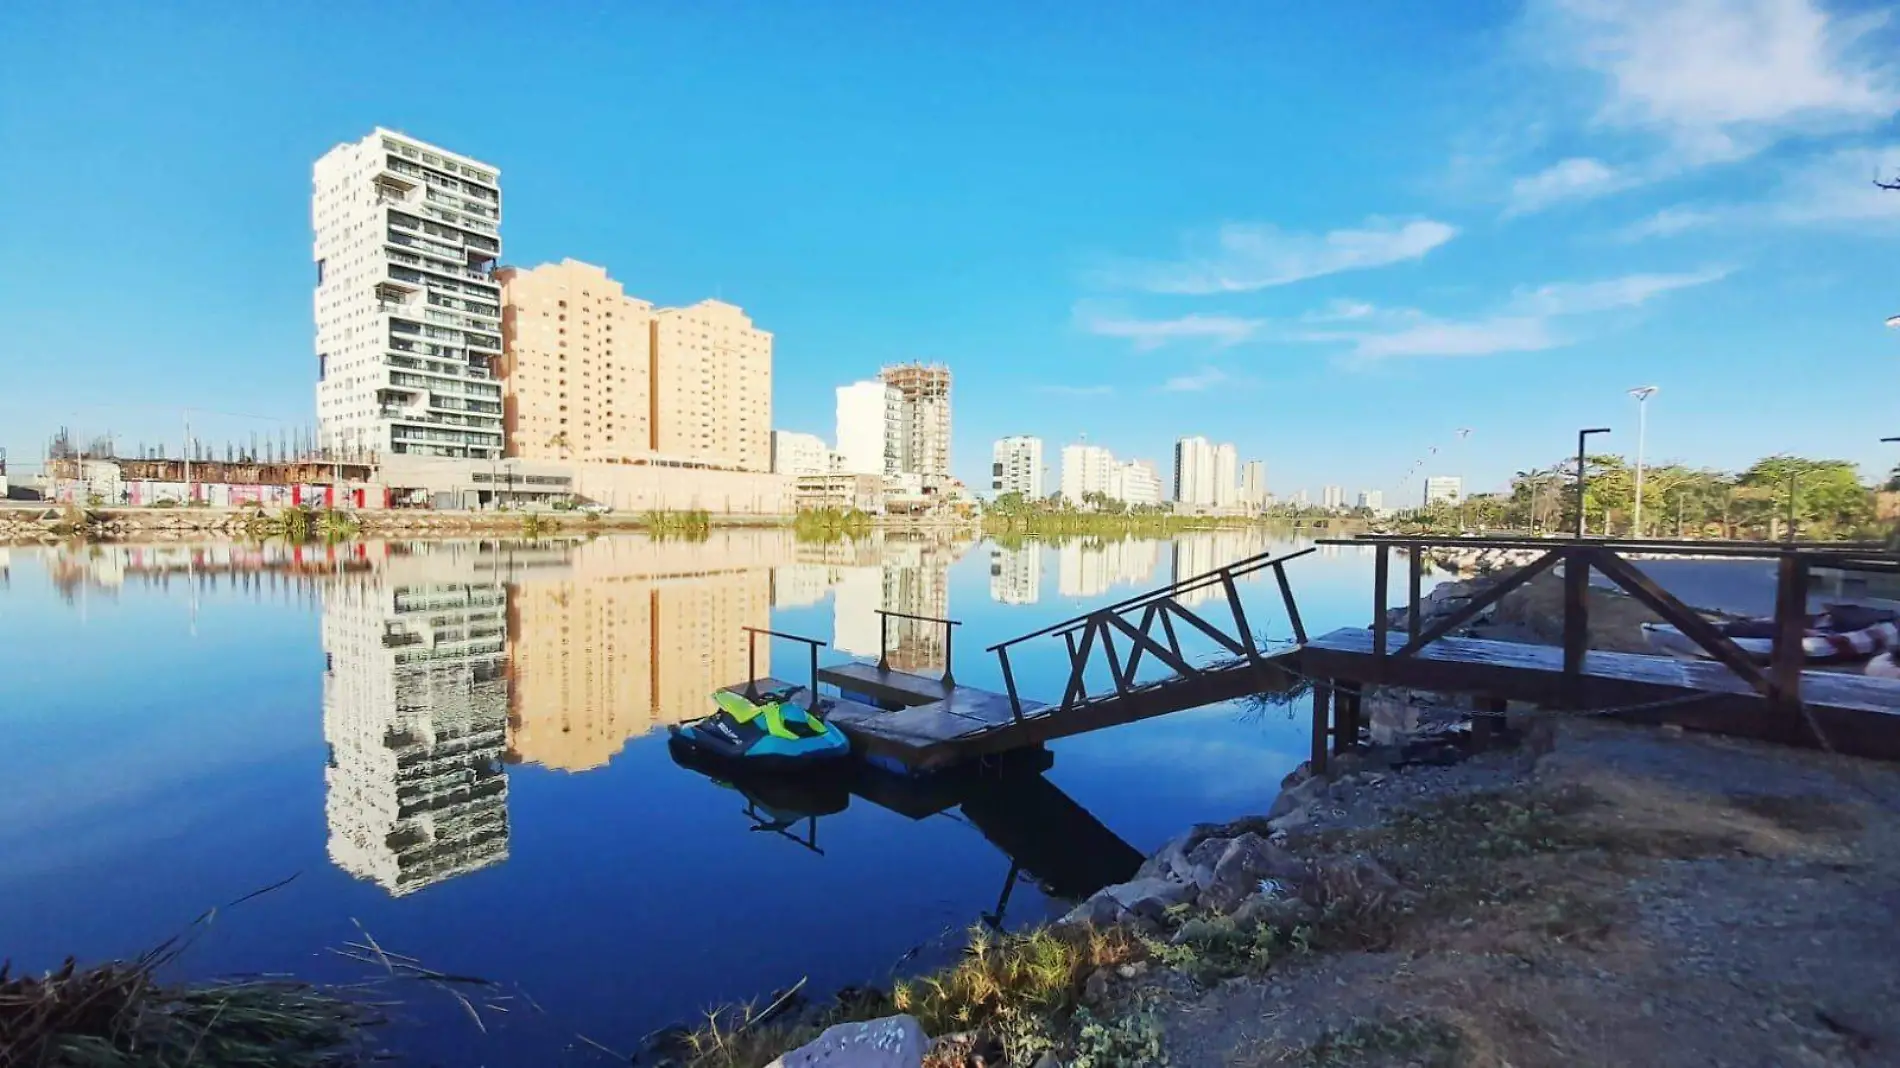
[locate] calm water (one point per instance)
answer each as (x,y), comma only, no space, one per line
(460,746)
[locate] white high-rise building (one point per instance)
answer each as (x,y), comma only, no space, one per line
(870,429)
(794,453)
(1226,475)
(1447,488)
(1086,469)
(1194,471)
(408,313)
(1253,484)
(1373,500)
(1016,467)
(1332,498)
(1136,484)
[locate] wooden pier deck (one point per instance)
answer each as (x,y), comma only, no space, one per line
(1859,714)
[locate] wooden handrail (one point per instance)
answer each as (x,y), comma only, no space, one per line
(1236,569)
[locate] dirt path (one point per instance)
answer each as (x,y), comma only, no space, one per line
(1627,896)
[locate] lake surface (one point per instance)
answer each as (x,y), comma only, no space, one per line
(459,747)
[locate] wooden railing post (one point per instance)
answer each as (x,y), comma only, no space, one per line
(883,642)
(1380,565)
(813,707)
(1009,683)
(949,660)
(1576,618)
(1791,616)
(1240,614)
(752,665)
(1292,606)
(1415,569)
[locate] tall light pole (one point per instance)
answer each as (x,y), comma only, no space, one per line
(1642,395)
(1582,437)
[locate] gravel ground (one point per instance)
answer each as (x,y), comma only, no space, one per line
(1710,902)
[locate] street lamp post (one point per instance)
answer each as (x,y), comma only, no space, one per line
(1582,437)
(1642,395)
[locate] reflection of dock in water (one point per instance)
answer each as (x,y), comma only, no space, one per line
(1047,836)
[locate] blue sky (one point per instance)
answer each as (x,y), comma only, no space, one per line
(1334,237)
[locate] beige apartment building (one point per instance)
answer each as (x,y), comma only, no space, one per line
(712,387)
(576,366)
(592,374)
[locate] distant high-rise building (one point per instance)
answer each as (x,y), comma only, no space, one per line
(1253,484)
(1447,488)
(923,418)
(1372,500)
(1086,469)
(870,429)
(1226,475)
(1137,484)
(408,313)
(1332,498)
(1299,498)
(712,387)
(794,453)
(576,369)
(1194,471)
(1016,467)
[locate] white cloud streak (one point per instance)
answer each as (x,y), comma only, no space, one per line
(1243,257)
(1529,322)
(1149,334)
(1578,178)
(1204,379)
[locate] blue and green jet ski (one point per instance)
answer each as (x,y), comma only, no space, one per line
(768,733)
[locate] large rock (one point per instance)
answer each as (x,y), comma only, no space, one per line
(1357,883)
(1297,796)
(1248,861)
(1170,861)
(1141,898)
(892,1042)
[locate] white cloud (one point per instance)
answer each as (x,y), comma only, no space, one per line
(1576,298)
(1528,322)
(1723,79)
(1248,256)
(1668,222)
(1148,334)
(1578,178)
(1482,337)
(1340,311)
(1194,382)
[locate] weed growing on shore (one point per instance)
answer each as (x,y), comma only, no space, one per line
(1411,1040)
(1130,1041)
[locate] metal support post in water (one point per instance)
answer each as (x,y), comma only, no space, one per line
(752,665)
(883,642)
(813,705)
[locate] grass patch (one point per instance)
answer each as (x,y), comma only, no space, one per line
(119,1015)
(1411,1040)
(1016,992)
(693,524)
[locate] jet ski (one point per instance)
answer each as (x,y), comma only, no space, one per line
(770,733)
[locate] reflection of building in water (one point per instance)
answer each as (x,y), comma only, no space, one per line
(799,585)
(1016,574)
(633,635)
(917,581)
(904,575)
(1089,567)
(1198,553)
(415,708)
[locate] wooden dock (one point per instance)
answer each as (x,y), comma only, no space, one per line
(910,722)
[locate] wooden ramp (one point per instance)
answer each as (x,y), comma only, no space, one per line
(930,723)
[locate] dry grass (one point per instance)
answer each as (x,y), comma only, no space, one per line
(1009,991)
(119,1015)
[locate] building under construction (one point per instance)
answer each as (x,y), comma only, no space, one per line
(924,440)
